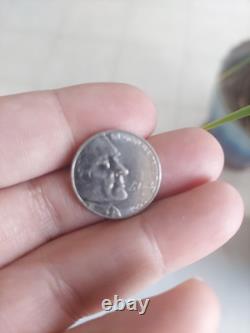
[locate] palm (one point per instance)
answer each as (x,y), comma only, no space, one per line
(58,261)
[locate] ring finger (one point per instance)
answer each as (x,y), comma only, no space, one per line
(72,274)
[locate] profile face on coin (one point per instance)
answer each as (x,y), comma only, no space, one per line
(116,174)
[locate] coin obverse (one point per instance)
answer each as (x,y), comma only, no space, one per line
(116,174)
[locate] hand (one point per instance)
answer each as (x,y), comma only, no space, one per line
(59,261)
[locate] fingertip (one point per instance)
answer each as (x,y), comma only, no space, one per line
(138,109)
(221,209)
(202,303)
(210,153)
(202,291)
(108,106)
(196,223)
(233,205)
(189,157)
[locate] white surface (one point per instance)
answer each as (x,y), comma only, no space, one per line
(169,48)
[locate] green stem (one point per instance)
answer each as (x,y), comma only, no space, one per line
(233,116)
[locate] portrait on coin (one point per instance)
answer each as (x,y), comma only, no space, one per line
(101,176)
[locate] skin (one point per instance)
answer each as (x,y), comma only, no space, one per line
(190,307)
(58,261)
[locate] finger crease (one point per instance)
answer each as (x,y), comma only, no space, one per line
(62,114)
(63,293)
(156,250)
(44,211)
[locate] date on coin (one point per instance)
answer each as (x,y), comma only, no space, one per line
(116,174)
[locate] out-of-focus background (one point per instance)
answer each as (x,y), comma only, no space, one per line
(172,49)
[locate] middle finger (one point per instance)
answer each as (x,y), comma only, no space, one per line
(42,209)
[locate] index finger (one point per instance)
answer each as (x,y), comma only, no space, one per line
(40,131)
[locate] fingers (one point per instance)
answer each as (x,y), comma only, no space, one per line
(47,207)
(39,131)
(189,157)
(73,274)
(189,308)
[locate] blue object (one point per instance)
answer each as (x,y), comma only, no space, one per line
(234,139)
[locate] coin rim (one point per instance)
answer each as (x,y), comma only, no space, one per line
(85,143)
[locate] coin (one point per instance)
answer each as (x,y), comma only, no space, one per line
(116,174)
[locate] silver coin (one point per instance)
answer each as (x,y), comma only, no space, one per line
(116,174)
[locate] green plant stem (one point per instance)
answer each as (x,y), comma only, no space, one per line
(233,116)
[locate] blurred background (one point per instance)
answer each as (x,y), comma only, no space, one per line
(171,49)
